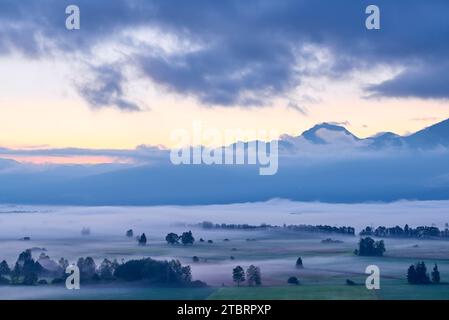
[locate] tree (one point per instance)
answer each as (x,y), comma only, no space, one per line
(293,280)
(30,272)
(435,275)
(299,263)
(4,268)
(253,276)
(186,274)
(411,275)
(172,238)
(380,248)
(26,270)
(238,275)
(63,263)
(115,264)
(187,238)
(106,270)
(182,274)
(142,240)
(417,274)
(23,257)
(130,233)
(369,247)
(421,273)
(15,274)
(87,268)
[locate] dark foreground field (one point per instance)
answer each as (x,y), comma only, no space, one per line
(390,290)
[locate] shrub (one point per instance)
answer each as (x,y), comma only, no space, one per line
(293,280)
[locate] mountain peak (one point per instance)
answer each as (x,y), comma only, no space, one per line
(328,126)
(313,134)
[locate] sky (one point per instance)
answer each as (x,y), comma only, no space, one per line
(138,70)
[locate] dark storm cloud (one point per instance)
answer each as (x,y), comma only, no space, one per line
(425,81)
(249,49)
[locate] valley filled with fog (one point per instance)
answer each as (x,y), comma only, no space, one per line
(57,231)
(59,222)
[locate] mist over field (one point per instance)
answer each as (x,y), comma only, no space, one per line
(67,221)
(56,231)
(63,225)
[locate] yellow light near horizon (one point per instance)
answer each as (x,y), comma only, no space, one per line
(56,124)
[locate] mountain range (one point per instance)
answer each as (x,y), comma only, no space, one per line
(325,163)
(435,136)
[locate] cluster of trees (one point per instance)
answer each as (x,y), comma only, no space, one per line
(406,232)
(185,238)
(252,277)
(172,238)
(369,247)
(302,228)
(417,274)
(27,271)
(156,272)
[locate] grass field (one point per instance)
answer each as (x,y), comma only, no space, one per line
(317,292)
(390,290)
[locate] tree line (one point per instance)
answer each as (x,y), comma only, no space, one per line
(406,232)
(302,228)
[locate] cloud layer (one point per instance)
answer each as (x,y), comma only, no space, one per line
(236,53)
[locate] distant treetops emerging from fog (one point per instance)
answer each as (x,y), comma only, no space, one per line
(421,232)
(369,247)
(406,232)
